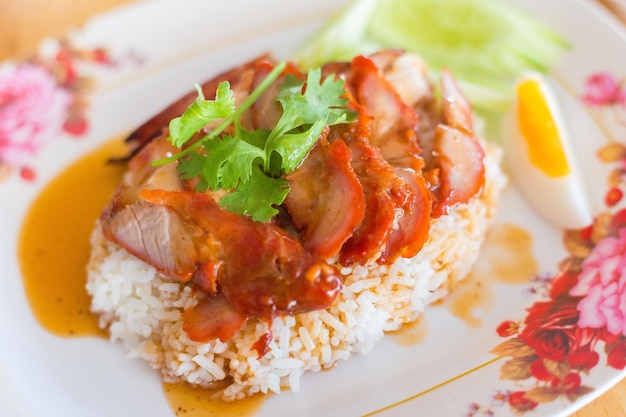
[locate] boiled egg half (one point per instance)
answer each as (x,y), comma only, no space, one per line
(540,156)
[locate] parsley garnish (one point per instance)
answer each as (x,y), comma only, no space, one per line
(251,163)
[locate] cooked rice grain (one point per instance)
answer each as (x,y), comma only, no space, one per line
(142,309)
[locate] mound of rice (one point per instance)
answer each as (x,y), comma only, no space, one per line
(142,309)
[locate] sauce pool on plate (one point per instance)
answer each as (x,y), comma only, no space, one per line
(506,257)
(53,247)
(186,401)
(53,251)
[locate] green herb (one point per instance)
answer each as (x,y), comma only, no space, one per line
(251,163)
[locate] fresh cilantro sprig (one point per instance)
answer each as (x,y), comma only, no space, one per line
(251,163)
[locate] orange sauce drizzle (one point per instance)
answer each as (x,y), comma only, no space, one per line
(53,246)
(506,257)
(411,334)
(188,401)
(53,250)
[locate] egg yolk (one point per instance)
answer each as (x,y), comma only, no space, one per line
(539,130)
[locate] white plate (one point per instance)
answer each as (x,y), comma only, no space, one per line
(162,47)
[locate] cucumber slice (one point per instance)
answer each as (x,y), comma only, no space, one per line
(340,39)
(485,43)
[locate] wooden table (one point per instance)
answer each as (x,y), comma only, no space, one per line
(23,24)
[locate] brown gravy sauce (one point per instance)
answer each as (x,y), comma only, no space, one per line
(410,334)
(506,257)
(188,401)
(54,248)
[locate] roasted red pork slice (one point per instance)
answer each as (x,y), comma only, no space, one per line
(394,131)
(260,269)
(358,196)
(457,153)
(286,220)
(326,201)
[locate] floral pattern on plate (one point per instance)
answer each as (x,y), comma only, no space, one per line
(604,93)
(43,98)
(548,353)
(60,75)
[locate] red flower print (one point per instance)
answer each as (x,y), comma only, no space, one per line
(583,358)
(603,89)
(613,196)
(608,337)
(539,371)
(550,344)
(66,69)
(569,384)
(507,328)
(100,56)
(551,329)
(519,403)
(564,282)
(616,356)
(27,173)
(76,126)
(559,314)
(618,220)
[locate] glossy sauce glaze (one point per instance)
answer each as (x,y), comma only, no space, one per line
(53,252)
(54,247)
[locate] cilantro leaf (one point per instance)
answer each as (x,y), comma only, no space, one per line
(193,166)
(251,164)
(324,100)
(229,161)
(258,196)
(202,112)
(319,105)
(294,147)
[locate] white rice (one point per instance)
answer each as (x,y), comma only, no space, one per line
(142,309)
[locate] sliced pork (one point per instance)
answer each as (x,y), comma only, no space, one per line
(326,202)
(457,153)
(360,196)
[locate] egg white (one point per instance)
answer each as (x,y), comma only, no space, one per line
(562,201)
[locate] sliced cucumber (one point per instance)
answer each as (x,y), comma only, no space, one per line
(481,41)
(485,43)
(340,39)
